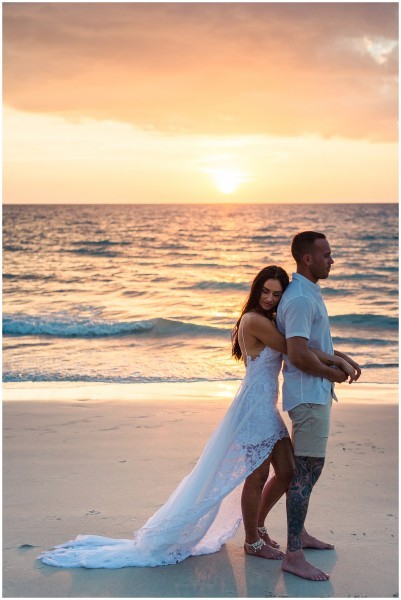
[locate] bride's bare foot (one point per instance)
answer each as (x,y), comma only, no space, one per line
(296,563)
(266,537)
(308,541)
(263,550)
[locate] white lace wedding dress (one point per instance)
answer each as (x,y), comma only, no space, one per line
(204,511)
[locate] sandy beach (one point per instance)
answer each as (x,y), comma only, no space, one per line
(100,459)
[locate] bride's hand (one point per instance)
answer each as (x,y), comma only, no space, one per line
(355,366)
(348,370)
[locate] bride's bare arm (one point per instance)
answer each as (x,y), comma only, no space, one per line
(266,332)
(335,360)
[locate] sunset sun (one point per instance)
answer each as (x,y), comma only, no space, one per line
(228,181)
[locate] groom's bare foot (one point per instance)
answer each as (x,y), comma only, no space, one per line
(296,563)
(265,551)
(308,541)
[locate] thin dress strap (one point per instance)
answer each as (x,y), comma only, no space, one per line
(243,339)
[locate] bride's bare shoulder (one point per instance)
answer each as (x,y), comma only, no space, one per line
(254,319)
(254,316)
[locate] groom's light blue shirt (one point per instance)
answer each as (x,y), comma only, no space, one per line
(302,312)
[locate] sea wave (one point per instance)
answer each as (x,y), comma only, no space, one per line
(357,341)
(102,251)
(27,277)
(33,375)
(262,238)
(11,248)
(64,326)
(100,243)
(39,376)
(383,236)
(218,285)
(380,366)
(384,274)
(365,321)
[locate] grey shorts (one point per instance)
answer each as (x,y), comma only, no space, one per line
(310,428)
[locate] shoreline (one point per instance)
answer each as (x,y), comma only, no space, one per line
(367,393)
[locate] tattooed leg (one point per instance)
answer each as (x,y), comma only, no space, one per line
(307,472)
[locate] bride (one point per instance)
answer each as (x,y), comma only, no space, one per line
(208,505)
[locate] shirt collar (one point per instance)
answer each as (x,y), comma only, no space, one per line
(313,286)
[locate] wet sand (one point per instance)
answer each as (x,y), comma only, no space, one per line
(100,459)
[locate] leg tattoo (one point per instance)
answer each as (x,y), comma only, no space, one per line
(307,472)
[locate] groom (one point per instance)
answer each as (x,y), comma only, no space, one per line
(307,389)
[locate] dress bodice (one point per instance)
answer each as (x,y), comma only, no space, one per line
(265,366)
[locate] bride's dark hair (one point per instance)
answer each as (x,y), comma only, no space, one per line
(252,302)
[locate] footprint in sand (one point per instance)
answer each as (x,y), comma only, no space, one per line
(25,547)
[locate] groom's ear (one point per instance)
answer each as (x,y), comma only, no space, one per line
(307,258)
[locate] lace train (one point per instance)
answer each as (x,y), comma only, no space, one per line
(204,510)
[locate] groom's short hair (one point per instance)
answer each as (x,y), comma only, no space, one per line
(302,243)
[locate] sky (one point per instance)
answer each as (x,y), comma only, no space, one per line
(200,102)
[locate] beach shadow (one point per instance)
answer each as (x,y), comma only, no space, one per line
(196,577)
(262,577)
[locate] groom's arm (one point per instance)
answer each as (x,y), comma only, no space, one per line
(305,360)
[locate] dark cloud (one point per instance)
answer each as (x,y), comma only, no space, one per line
(235,68)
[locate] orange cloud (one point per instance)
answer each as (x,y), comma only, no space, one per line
(208,68)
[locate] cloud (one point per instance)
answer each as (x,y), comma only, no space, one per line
(214,68)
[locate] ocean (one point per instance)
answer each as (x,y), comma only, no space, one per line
(150,293)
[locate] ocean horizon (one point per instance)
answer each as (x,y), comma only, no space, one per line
(123,293)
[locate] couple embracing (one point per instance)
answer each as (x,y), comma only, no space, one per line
(280,320)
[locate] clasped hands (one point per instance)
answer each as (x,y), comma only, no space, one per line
(347,368)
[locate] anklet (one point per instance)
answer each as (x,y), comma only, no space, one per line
(262,530)
(256,546)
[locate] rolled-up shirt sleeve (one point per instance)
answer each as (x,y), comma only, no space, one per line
(298,318)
